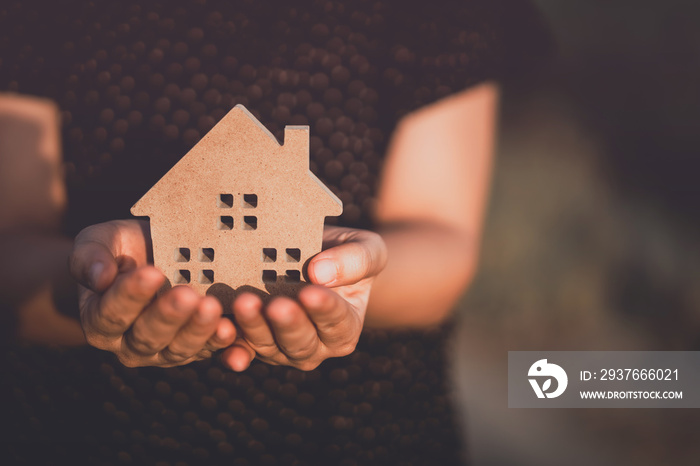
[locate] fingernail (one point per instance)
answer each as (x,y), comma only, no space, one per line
(95,273)
(325,271)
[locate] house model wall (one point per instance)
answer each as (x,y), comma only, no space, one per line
(239,211)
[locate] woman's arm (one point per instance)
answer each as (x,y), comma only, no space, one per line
(32,200)
(32,190)
(430,208)
(35,289)
(430,213)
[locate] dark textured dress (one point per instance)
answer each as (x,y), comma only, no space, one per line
(138,84)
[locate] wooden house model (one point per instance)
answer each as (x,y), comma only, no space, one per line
(239,211)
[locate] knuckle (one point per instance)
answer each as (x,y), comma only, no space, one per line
(172,355)
(147,347)
(304,352)
(266,350)
(345,349)
(213,345)
(332,328)
(215,342)
(114,320)
(142,346)
(366,257)
(373,252)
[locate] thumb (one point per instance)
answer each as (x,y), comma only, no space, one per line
(362,257)
(92,263)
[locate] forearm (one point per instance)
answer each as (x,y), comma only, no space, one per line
(434,189)
(428,269)
(35,282)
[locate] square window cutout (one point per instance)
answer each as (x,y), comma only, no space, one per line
(206,277)
(250,201)
(225,201)
(181,277)
(206,255)
(293,255)
(292,276)
(269,276)
(182,254)
(250,223)
(225,222)
(269,255)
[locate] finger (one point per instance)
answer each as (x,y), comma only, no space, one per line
(334,235)
(193,336)
(224,336)
(239,356)
(294,333)
(118,308)
(336,322)
(247,311)
(362,256)
(92,264)
(157,326)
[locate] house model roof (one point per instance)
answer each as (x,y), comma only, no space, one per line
(239,211)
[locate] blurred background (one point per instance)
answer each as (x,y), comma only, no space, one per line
(592,236)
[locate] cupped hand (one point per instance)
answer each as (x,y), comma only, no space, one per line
(118,308)
(326,319)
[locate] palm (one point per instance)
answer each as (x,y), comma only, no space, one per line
(324,321)
(121,313)
(119,309)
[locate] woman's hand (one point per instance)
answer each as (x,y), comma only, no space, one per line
(119,314)
(327,319)
(117,307)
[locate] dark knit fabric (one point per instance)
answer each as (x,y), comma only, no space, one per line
(139,83)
